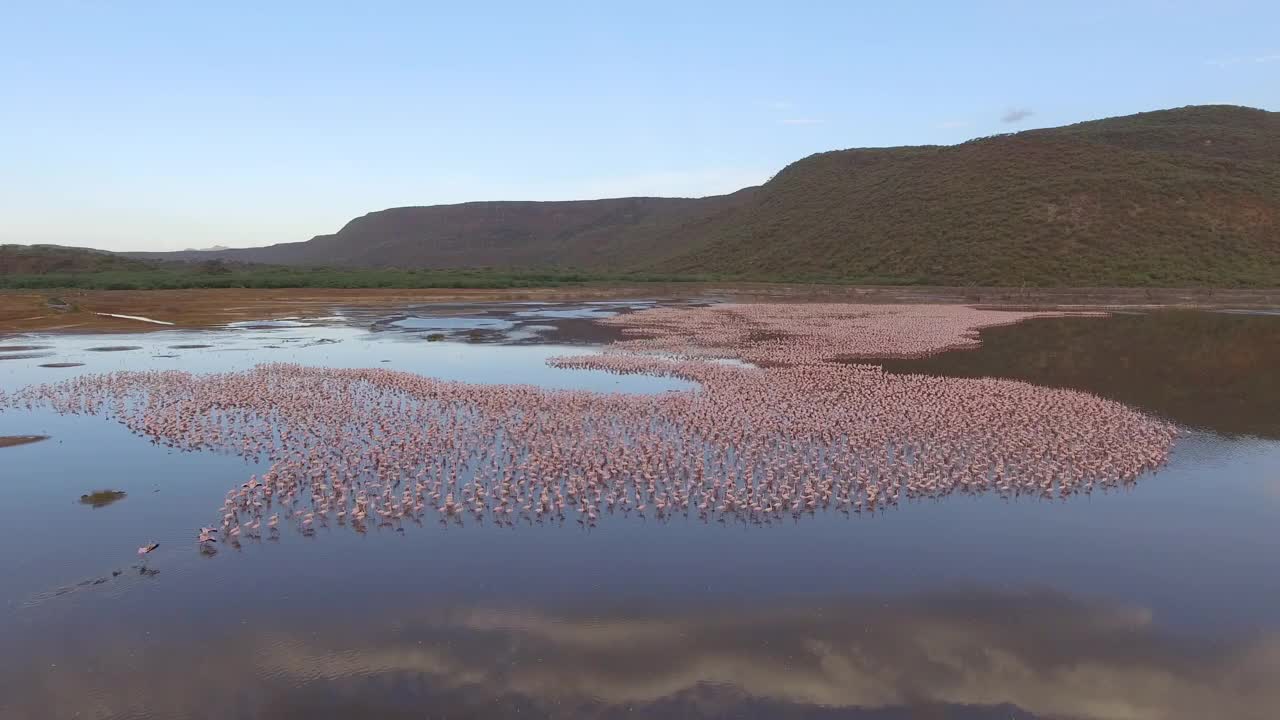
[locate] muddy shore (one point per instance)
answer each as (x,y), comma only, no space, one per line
(98,310)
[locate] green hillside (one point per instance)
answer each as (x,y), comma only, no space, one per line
(1184,197)
(1176,197)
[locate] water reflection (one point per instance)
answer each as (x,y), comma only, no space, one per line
(506,361)
(1213,371)
(508,323)
(102,498)
(1172,611)
(958,653)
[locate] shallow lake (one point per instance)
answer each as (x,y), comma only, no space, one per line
(1157,600)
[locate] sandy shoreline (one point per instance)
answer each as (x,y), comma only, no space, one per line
(141,310)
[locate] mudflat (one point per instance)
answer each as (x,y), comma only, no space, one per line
(102,310)
(15,440)
(136,310)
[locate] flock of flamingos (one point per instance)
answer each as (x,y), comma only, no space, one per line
(801,423)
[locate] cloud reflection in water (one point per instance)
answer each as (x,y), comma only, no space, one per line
(959,654)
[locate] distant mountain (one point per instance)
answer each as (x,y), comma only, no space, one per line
(614,233)
(46,259)
(1172,197)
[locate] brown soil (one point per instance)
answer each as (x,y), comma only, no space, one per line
(15,440)
(26,311)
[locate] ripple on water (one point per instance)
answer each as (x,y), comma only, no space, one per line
(195,346)
(61,365)
(268,324)
(114,348)
(23,348)
(133,573)
(450,323)
(23,355)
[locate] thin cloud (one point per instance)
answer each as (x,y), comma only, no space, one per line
(1244,60)
(1014,116)
(798,121)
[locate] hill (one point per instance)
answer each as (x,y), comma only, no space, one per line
(1189,196)
(598,234)
(49,259)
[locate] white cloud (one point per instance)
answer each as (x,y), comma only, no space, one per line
(1244,60)
(1016,115)
(785,112)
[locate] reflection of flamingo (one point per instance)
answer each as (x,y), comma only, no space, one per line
(801,432)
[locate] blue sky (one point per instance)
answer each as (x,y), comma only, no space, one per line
(139,125)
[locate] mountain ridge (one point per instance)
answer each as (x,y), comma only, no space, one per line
(1182,196)
(1178,196)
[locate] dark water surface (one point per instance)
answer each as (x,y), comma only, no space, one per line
(1158,601)
(1216,371)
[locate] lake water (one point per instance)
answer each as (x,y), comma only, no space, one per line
(1161,600)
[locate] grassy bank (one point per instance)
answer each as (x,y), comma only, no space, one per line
(60,268)
(209,275)
(195,277)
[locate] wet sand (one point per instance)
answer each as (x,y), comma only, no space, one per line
(15,440)
(102,310)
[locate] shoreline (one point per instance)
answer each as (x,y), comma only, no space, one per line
(23,311)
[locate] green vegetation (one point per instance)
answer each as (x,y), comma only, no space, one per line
(1174,198)
(1186,197)
(182,276)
